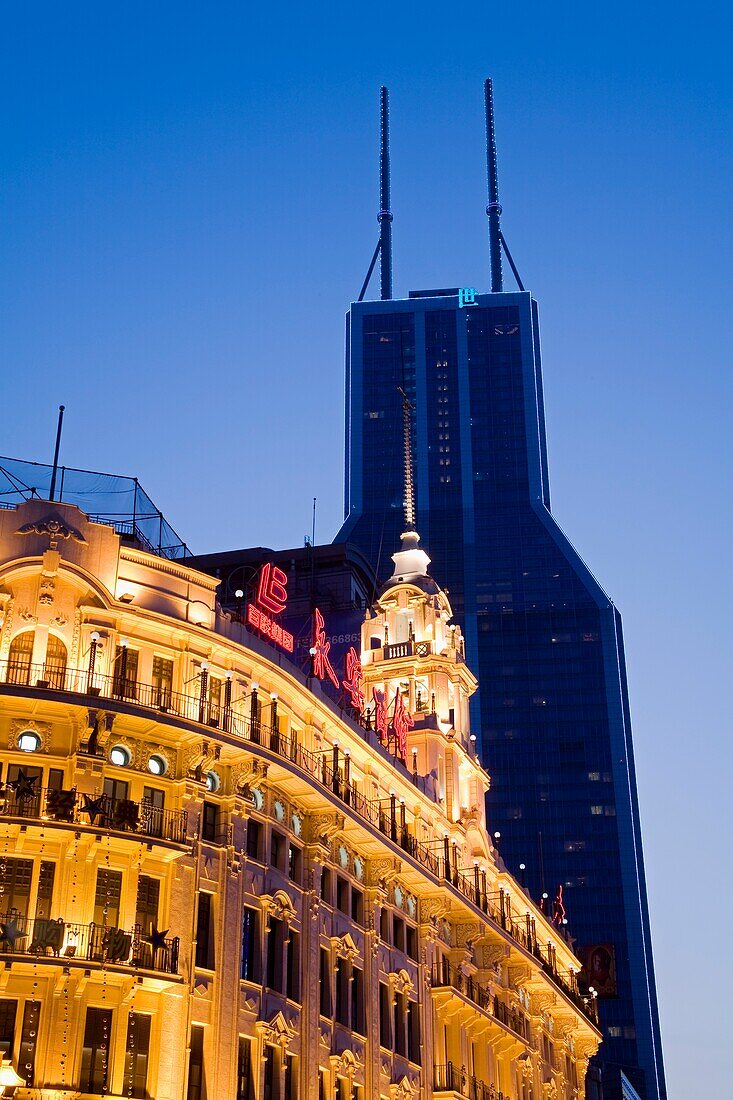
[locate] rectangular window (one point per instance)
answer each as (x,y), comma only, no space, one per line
(399,1023)
(254,840)
(46,877)
(295,863)
(250,944)
(215,691)
(326,885)
(413,1032)
(385,1033)
(107,898)
(55,779)
(275,945)
(291,1077)
(162,682)
(357,905)
(342,894)
(271,1084)
(384,925)
(28,1041)
(412,942)
(16,883)
(210,823)
(146,904)
(137,1053)
(245,1076)
(277,850)
(8,1011)
(196,1076)
(357,1001)
(342,992)
(398,933)
(95,1054)
(125,673)
(292,990)
(325,982)
(204,953)
(116,790)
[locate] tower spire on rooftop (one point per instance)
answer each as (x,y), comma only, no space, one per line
(385,214)
(407,447)
(493,209)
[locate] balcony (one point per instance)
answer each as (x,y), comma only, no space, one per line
(452,1079)
(66,942)
(445,976)
(120,815)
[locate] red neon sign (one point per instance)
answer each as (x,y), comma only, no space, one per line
(272,593)
(272,596)
(354,682)
(322,667)
(402,721)
(380,714)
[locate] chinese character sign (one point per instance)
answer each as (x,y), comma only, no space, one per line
(322,666)
(467,296)
(380,714)
(402,721)
(269,628)
(354,682)
(272,592)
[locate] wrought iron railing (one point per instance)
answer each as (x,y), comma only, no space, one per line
(450,1078)
(41,937)
(318,766)
(116,814)
(444,975)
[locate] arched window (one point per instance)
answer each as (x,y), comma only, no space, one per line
(20,657)
(55,669)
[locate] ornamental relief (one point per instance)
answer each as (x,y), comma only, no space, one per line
(322,828)
(280,906)
(383,871)
(43,729)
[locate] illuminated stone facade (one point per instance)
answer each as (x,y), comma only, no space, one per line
(216,884)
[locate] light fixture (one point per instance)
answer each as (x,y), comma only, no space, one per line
(273,696)
(127,597)
(123,643)
(9,1079)
(254,685)
(95,636)
(204,666)
(238,594)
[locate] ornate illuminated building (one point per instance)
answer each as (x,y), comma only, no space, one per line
(216,883)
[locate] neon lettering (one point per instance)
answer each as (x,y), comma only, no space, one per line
(322,667)
(272,592)
(354,682)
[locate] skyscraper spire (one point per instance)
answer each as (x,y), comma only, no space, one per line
(493,209)
(408,475)
(385,214)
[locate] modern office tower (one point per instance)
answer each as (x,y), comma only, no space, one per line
(214,885)
(552,709)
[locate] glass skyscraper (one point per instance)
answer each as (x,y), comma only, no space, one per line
(543,637)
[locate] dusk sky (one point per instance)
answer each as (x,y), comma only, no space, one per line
(189,205)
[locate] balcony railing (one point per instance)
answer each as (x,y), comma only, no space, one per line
(444,975)
(116,814)
(64,940)
(319,766)
(450,1078)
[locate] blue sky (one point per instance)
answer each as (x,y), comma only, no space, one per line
(189,205)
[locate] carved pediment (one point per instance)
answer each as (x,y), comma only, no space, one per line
(404,1089)
(280,906)
(53,526)
(345,947)
(277,1031)
(401,982)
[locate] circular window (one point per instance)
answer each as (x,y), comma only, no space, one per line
(29,741)
(279,811)
(358,868)
(297,825)
(212,782)
(398,896)
(157,765)
(343,857)
(120,756)
(258,798)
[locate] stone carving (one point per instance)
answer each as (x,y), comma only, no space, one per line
(27,615)
(401,982)
(60,619)
(467,934)
(43,730)
(492,955)
(324,827)
(280,906)
(53,526)
(380,872)
(434,909)
(345,947)
(277,1032)
(404,1089)
(7,628)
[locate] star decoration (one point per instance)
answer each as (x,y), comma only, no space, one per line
(94,807)
(10,932)
(156,938)
(23,786)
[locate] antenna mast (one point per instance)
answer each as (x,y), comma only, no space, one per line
(55,471)
(409,482)
(493,209)
(385,214)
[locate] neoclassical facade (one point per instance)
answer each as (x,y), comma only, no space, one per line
(216,884)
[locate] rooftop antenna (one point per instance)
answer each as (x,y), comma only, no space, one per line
(409,481)
(384,217)
(55,471)
(493,210)
(385,214)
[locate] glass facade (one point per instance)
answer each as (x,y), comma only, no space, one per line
(543,638)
